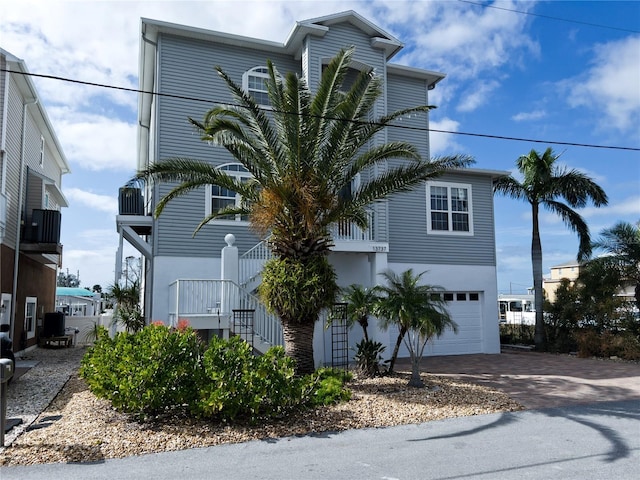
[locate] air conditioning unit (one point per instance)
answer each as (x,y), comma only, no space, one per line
(45,226)
(130,201)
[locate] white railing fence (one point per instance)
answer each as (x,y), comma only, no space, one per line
(252,262)
(221,297)
(345,231)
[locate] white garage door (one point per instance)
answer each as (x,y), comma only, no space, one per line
(466,310)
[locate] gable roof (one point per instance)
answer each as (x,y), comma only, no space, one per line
(320,25)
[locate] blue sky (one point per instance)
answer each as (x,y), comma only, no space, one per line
(571,78)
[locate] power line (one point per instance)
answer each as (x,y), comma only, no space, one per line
(551,17)
(406,127)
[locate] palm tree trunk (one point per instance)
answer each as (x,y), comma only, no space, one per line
(539,337)
(394,355)
(298,344)
(416,379)
(364,323)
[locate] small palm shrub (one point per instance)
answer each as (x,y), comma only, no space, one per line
(368,357)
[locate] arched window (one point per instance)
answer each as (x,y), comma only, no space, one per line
(218,197)
(254,82)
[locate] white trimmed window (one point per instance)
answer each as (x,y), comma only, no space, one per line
(31,303)
(218,197)
(254,82)
(449,209)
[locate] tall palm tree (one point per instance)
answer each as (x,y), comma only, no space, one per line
(303,155)
(419,311)
(621,244)
(545,184)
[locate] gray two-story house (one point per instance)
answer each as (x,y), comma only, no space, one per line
(445,227)
(32,164)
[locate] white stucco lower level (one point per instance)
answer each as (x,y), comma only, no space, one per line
(473,307)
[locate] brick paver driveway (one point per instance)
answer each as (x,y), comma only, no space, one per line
(541,380)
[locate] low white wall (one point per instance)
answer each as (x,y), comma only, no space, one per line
(86,325)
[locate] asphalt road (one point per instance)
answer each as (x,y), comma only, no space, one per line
(595,441)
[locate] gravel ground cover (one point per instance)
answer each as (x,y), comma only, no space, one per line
(78,427)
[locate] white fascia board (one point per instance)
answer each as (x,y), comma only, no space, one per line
(430,76)
(153,27)
(480,171)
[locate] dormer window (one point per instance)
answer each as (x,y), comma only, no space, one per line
(254,82)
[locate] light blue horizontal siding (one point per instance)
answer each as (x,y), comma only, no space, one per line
(187,70)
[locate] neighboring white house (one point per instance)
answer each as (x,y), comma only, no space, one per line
(185,276)
(78,302)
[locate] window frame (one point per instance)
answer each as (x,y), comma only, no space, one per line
(262,72)
(30,328)
(41,158)
(244,173)
(469,212)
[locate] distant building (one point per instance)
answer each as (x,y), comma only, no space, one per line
(78,302)
(568,270)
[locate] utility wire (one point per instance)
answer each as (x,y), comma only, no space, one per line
(406,127)
(550,17)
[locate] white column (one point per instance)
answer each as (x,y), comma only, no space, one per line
(229,270)
(379,264)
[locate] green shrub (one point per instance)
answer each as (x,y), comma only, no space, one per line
(328,387)
(513,333)
(159,370)
(589,343)
(236,383)
(152,371)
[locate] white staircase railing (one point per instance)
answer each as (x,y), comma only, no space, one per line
(216,299)
(251,264)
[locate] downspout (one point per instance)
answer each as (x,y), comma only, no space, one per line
(16,259)
(3,133)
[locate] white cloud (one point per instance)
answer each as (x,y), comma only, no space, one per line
(626,208)
(610,88)
(443,143)
(95,142)
(103,203)
(527,116)
(469,44)
(476,95)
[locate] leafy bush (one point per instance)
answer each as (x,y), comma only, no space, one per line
(237,383)
(146,373)
(624,345)
(512,333)
(328,387)
(588,341)
(160,370)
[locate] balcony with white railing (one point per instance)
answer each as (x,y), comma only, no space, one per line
(348,237)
